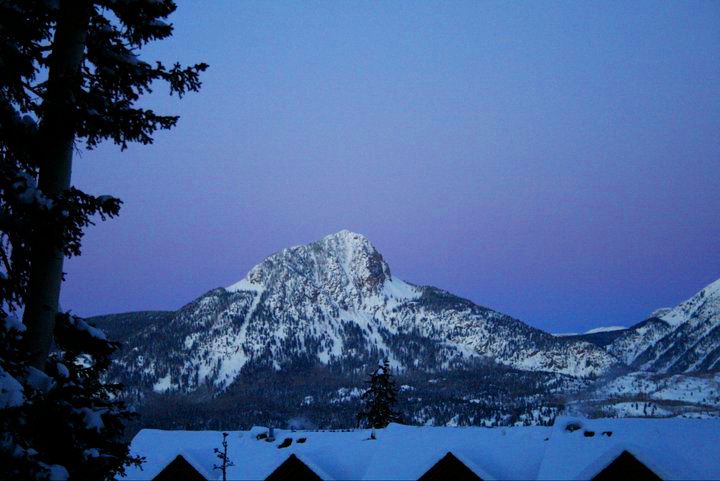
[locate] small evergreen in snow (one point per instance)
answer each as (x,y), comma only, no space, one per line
(379,399)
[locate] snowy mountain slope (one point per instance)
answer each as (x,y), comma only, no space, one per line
(696,388)
(601,337)
(599,330)
(119,327)
(682,339)
(703,304)
(646,394)
(335,302)
(631,343)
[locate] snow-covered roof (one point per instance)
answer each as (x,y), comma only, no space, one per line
(672,448)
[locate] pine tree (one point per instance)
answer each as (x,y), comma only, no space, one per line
(69,76)
(379,399)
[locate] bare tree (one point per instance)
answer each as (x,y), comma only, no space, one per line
(222,455)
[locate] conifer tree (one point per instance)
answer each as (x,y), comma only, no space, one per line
(70,77)
(379,399)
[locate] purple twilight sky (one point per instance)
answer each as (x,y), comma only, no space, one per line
(556,161)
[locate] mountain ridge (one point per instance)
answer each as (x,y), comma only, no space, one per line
(335,301)
(300,330)
(685,338)
(341,281)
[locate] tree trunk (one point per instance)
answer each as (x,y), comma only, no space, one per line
(57,134)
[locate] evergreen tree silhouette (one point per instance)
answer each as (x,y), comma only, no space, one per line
(379,399)
(71,76)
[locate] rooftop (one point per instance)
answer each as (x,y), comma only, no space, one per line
(572,449)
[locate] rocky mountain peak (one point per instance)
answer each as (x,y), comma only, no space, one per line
(344,266)
(358,258)
(333,302)
(679,339)
(705,303)
(663,311)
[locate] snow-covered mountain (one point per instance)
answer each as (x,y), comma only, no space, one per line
(335,302)
(690,395)
(685,338)
(599,330)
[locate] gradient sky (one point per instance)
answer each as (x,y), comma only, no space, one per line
(555,161)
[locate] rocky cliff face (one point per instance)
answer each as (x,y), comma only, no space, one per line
(685,338)
(335,302)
